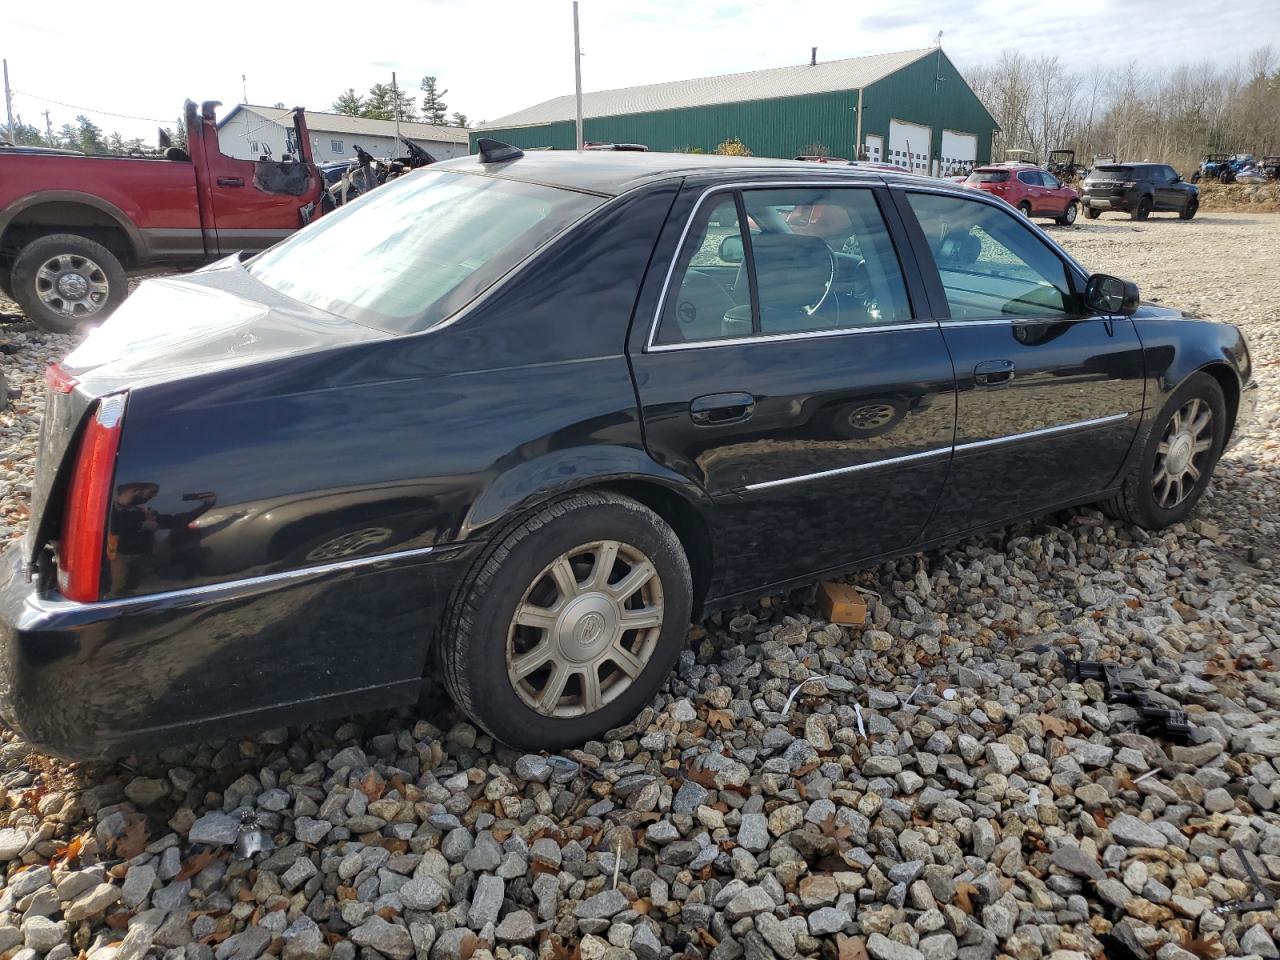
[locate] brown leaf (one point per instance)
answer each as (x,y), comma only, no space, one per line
(707,939)
(1055,725)
(468,945)
(720,719)
(703,778)
(851,948)
(1205,949)
(373,786)
(133,839)
(830,828)
(387,913)
(963,898)
(69,853)
(806,769)
(642,906)
(195,863)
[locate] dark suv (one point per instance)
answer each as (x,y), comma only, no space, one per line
(1139,189)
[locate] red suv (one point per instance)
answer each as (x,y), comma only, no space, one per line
(1036,192)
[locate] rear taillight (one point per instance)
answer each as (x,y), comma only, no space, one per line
(58,380)
(84,520)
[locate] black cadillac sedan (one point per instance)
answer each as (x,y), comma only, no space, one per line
(513,421)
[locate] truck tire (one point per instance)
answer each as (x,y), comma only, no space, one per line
(63,280)
(1143,209)
(1092,213)
(1190,209)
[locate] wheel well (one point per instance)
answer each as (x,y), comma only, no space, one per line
(66,216)
(1230,385)
(685,520)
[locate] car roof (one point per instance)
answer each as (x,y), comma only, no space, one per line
(613,173)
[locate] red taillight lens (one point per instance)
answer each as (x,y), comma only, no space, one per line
(58,380)
(84,520)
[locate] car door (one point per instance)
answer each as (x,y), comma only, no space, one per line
(805,396)
(1054,198)
(1048,396)
(1031,189)
(1169,190)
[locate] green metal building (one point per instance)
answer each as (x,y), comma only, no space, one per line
(911,108)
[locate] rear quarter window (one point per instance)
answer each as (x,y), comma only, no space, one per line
(988,176)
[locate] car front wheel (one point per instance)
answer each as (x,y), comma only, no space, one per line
(1190,209)
(1069,215)
(1177,458)
(62,281)
(569,623)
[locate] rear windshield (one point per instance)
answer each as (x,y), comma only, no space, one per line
(988,176)
(417,250)
(1111,173)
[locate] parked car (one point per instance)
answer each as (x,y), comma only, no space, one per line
(523,417)
(1138,189)
(1034,192)
(71,224)
(1212,167)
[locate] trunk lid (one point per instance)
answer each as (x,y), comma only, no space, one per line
(168,329)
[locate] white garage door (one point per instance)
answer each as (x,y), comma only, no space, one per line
(910,138)
(875,148)
(959,151)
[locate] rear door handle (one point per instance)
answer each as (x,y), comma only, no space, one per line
(717,408)
(231,181)
(990,373)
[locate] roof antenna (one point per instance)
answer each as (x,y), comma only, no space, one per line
(937,41)
(813,56)
(495,151)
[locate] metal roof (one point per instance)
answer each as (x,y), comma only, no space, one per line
(854,73)
(320,122)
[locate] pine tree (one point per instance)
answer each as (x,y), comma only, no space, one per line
(115,143)
(350,103)
(459,119)
(434,109)
(68,136)
(380,104)
(24,134)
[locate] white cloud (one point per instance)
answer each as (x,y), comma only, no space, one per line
(144,57)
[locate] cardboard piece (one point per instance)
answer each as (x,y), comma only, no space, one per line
(841,603)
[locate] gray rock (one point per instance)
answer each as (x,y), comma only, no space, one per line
(516,927)
(689,797)
(311,830)
(92,902)
(299,873)
(12,842)
(1074,861)
(753,832)
(533,769)
(1255,940)
(245,945)
(41,934)
(1132,832)
(486,901)
(939,946)
(422,893)
(215,828)
(882,948)
(387,938)
(137,884)
(1002,758)
(828,920)
(602,906)
(748,903)
(645,944)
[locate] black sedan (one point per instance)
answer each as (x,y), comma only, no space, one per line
(514,421)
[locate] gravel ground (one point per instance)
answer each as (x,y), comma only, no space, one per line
(991,809)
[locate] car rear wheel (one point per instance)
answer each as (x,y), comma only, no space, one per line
(1024,208)
(1069,215)
(1092,213)
(569,623)
(1177,458)
(1190,209)
(1142,210)
(63,281)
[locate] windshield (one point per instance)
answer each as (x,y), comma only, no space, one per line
(1112,173)
(415,251)
(988,176)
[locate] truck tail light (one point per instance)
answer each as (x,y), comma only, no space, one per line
(84,519)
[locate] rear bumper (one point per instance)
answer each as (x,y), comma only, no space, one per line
(1118,201)
(102,679)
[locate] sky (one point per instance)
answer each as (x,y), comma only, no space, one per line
(143,58)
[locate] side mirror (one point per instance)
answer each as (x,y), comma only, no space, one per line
(1105,294)
(1177,178)
(731,249)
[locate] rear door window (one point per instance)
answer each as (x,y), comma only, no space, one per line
(989,176)
(1030,177)
(991,263)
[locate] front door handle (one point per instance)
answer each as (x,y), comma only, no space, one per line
(717,408)
(231,181)
(990,373)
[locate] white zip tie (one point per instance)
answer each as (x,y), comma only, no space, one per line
(912,695)
(786,707)
(1147,775)
(857,710)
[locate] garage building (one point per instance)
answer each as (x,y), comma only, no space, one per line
(911,107)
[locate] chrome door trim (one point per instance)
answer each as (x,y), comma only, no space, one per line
(941,451)
(799,335)
(802,183)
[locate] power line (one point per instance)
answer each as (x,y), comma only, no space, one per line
(77,106)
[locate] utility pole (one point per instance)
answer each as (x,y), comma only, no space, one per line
(577,75)
(8,97)
(48,128)
(395,95)
(244,89)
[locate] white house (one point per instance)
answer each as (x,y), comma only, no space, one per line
(248,131)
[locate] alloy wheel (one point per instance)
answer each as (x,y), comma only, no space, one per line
(871,416)
(72,285)
(1183,452)
(585,629)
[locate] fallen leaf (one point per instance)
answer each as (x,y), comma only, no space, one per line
(133,839)
(851,948)
(963,898)
(373,786)
(830,828)
(720,719)
(708,940)
(1055,725)
(195,863)
(642,906)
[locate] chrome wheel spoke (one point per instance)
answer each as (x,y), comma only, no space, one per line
(541,618)
(639,575)
(592,699)
(627,661)
(1201,446)
(641,619)
(1192,471)
(529,662)
(606,556)
(554,689)
(566,581)
(1163,447)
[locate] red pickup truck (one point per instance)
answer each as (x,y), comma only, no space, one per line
(70,226)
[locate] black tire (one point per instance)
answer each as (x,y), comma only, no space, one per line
(1142,210)
(1195,177)
(1190,209)
(1092,213)
(6,287)
(1136,502)
(1069,215)
(473,643)
(99,264)
(1024,208)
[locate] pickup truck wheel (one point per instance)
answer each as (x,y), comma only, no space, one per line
(569,623)
(1190,209)
(1177,458)
(1092,213)
(1142,210)
(63,280)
